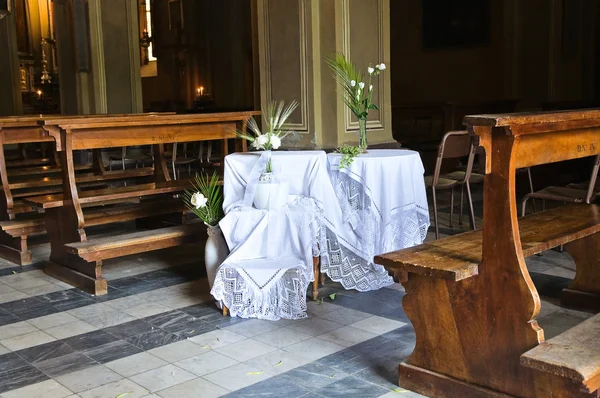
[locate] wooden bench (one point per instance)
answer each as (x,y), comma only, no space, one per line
(28,177)
(470,297)
(75,257)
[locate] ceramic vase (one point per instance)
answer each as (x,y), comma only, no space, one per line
(215,252)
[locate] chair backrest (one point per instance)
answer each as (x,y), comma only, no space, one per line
(455,144)
(591,192)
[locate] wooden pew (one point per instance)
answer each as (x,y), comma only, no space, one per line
(76,258)
(33,177)
(470,297)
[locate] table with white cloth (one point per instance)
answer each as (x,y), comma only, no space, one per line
(384,205)
(375,205)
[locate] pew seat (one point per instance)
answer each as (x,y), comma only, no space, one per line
(37,182)
(98,196)
(32,224)
(46,170)
(137,242)
(29,162)
(458,257)
(573,354)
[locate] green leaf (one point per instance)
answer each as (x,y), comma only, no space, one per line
(206,347)
(400,390)
(278,363)
(320,301)
(122,395)
(14,272)
(332,296)
(255,373)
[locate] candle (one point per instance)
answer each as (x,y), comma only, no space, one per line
(39,93)
(201,90)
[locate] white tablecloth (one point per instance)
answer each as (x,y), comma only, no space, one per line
(376,205)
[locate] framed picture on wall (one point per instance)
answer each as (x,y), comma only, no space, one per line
(456,23)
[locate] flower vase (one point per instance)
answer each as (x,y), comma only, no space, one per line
(215,252)
(362,135)
(270,194)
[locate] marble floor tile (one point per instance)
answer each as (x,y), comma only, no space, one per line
(128,329)
(208,362)
(277,362)
(46,351)
(6,289)
(10,361)
(58,366)
(245,350)
(315,326)
(50,321)
(27,340)
(378,325)
(253,327)
(314,348)
(43,289)
(317,308)
(70,329)
(237,377)
(91,311)
(282,337)
(191,389)
(108,319)
(314,376)
(274,387)
(3,350)
(352,387)
(86,379)
(126,302)
(112,351)
(145,310)
(45,389)
(404,394)
(560,271)
(153,339)
(20,377)
(116,389)
(345,316)
(7,319)
(135,364)
(347,336)
(180,350)
(162,378)
(11,296)
(66,299)
(90,340)
(217,339)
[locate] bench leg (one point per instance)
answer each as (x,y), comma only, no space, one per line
(68,267)
(14,249)
(583,292)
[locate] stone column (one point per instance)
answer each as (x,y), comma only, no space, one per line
(11,102)
(295,37)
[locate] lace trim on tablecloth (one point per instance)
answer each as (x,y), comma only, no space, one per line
(406,226)
(285,294)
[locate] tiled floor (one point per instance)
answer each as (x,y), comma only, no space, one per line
(156,334)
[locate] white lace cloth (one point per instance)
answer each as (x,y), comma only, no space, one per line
(253,284)
(375,206)
(384,203)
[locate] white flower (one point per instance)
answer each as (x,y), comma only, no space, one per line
(353,83)
(275,141)
(370,70)
(260,141)
(361,85)
(198,200)
(380,66)
(371,87)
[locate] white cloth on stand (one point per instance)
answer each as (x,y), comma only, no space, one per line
(252,283)
(381,196)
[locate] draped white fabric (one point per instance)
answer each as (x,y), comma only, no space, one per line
(376,205)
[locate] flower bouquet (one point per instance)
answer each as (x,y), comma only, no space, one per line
(205,200)
(269,192)
(357,94)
